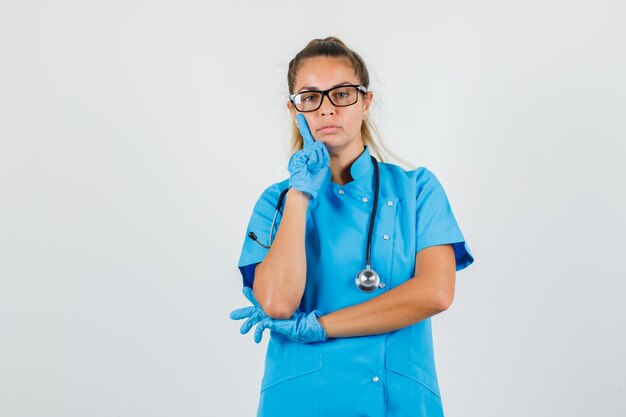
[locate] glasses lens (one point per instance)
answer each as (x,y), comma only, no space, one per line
(343,96)
(308,101)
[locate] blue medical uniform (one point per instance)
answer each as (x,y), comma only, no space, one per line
(386,375)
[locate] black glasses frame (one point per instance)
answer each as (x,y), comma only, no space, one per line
(325,93)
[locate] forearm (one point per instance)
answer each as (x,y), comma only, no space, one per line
(279,280)
(414,300)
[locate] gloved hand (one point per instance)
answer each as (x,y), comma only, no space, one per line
(254,314)
(310,166)
(301,327)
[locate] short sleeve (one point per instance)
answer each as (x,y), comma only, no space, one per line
(260,223)
(435,221)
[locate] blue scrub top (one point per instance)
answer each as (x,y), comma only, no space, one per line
(391,374)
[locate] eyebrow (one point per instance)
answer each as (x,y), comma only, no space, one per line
(316,88)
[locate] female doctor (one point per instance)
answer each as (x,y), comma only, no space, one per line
(347,259)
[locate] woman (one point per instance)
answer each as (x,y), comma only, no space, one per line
(343,343)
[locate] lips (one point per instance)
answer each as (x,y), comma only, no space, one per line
(328,129)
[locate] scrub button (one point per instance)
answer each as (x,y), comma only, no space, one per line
(386,237)
(340,191)
(364,199)
(390,203)
(381,285)
(375,379)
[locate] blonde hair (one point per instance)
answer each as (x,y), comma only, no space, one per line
(334,47)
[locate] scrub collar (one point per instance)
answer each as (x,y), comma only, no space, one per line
(362,184)
(362,166)
(362,172)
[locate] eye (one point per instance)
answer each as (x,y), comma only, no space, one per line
(308,97)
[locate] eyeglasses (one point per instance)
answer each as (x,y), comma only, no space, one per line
(342,96)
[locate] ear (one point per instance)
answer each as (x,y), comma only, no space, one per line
(292,110)
(367,102)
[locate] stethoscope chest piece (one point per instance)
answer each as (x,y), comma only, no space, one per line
(367,280)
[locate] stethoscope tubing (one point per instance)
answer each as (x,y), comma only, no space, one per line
(373,216)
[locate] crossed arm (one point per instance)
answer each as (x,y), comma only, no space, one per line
(429,292)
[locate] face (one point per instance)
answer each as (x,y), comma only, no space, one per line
(322,73)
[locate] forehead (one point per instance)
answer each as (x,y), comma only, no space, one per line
(324,72)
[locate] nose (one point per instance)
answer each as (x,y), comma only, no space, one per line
(326,107)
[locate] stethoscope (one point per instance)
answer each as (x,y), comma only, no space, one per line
(367,279)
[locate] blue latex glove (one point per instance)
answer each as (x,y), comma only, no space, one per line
(301,327)
(310,166)
(254,314)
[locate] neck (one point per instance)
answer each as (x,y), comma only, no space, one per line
(342,159)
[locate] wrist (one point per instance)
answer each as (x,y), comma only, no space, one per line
(323,321)
(295,194)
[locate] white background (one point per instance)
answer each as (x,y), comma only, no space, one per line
(130,162)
